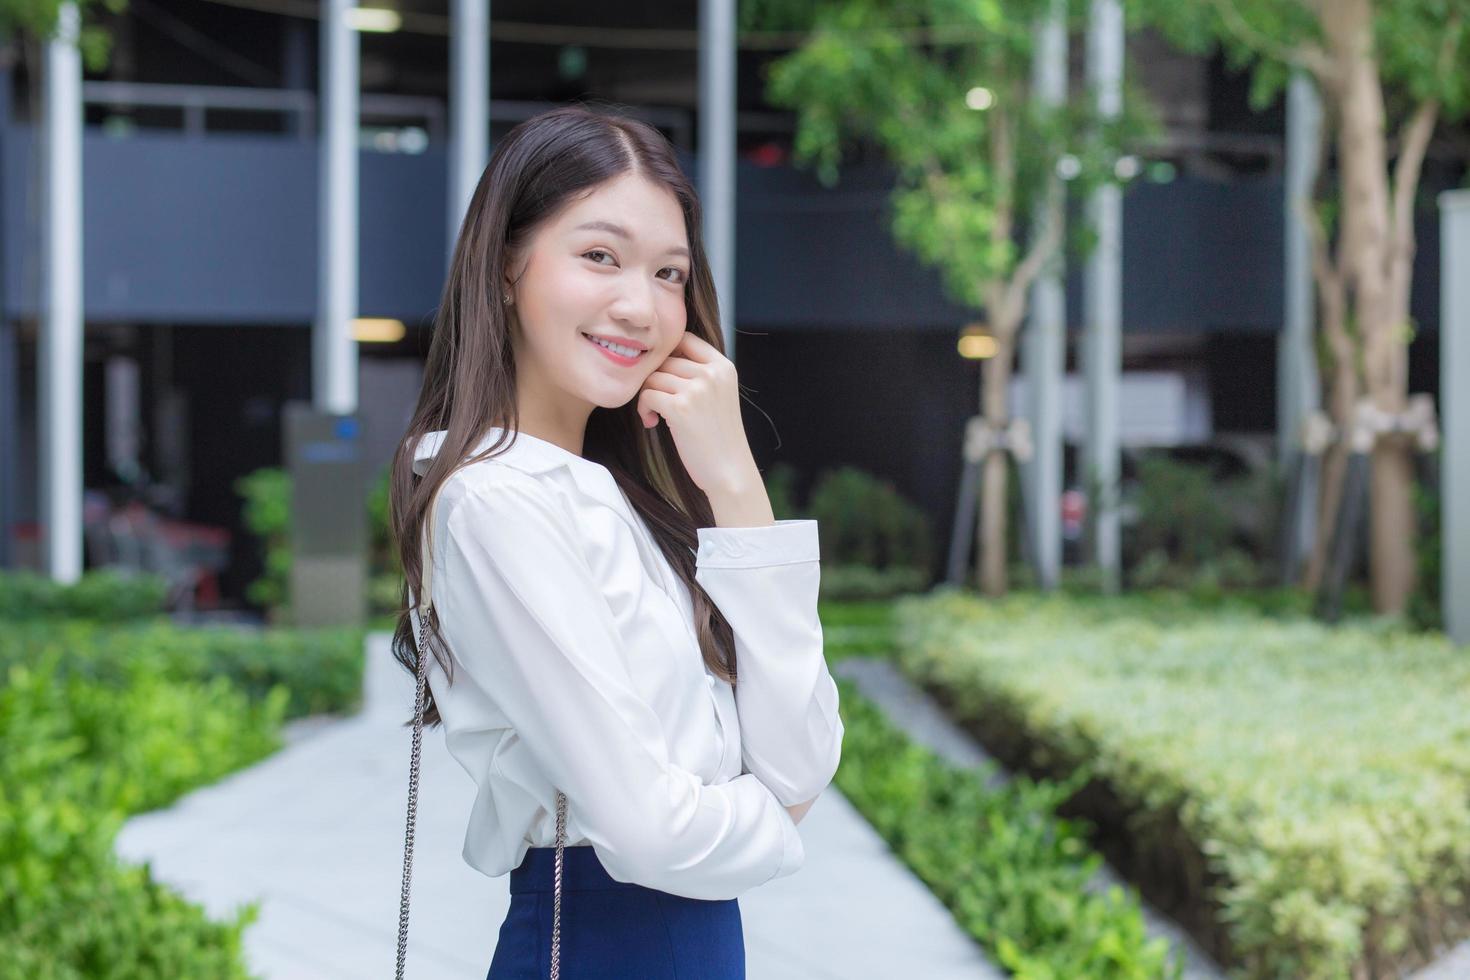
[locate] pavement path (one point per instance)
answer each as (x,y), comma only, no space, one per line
(315,834)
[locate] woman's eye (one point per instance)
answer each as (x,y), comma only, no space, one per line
(670,268)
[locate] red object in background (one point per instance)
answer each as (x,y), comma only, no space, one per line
(767,155)
(1074,512)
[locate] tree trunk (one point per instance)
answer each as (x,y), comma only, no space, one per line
(1342,396)
(996,375)
(1368,246)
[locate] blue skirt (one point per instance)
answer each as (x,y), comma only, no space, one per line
(612,930)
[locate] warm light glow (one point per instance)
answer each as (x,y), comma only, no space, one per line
(979,98)
(976,343)
(378,20)
(371,330)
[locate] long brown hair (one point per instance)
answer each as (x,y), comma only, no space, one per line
(469,378)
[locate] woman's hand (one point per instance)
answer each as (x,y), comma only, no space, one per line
(799,810)
(696,391)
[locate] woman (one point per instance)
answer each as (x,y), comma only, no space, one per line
(604,558)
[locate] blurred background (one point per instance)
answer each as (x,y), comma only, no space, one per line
(1113,345)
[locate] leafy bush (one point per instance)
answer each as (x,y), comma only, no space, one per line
(77,754)
(1299,794)
(875,544)
(866,521)
(1196,530)
(320,670)
(1012,873)
(780,483)
(101,594)
(267,515)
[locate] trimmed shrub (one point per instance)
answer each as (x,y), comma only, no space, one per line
(77,754)
(1014,875)
(106,595)
(1298,795)
(320,670)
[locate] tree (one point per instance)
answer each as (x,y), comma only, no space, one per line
(1373,61)
(943,90)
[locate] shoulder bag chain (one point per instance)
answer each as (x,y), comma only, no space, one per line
(425,603)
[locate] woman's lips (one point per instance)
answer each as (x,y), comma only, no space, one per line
(612,355)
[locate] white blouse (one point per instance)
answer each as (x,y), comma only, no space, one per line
(577,669)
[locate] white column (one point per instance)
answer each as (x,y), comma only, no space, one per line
(333,351)
(1298,388)
(1454,368)
(1045,342)
(60,343)
(469,106)
(1103,298)
(717,152)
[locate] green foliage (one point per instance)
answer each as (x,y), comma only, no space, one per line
(382,556)
(873,72)
(1425,605)
(875,543)
(1199,531)
(103,594)
(318,670)
(267,514)
(1409,39)
(78,754)
(1321,773)
(856,628)
(866,521)
(102,720)
(780,484)
(37,21)
(1013,873)
(858,582)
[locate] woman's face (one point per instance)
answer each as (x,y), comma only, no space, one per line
(612,264)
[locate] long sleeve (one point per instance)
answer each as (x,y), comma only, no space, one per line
(529,625)
(765,581)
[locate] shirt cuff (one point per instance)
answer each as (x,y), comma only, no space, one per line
(782,543)
(793,852)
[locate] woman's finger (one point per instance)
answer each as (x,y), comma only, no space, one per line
(653,404)
(696,348)
(681,366)
(663,380)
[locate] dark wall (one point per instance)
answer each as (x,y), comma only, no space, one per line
(223,230)
(890,402)
(237,379)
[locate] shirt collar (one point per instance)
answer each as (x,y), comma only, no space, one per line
(530,454)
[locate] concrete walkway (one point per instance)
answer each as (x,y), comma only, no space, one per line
(315,833)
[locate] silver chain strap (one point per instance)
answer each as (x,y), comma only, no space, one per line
(413,800)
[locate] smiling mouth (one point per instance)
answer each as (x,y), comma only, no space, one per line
(623,355)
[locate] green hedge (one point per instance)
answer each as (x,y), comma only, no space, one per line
(76,756)
(100,721)
(1298,795)
(320,669)
(1012,873)
(101,594)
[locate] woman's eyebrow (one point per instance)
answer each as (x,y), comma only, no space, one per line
(622,232)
